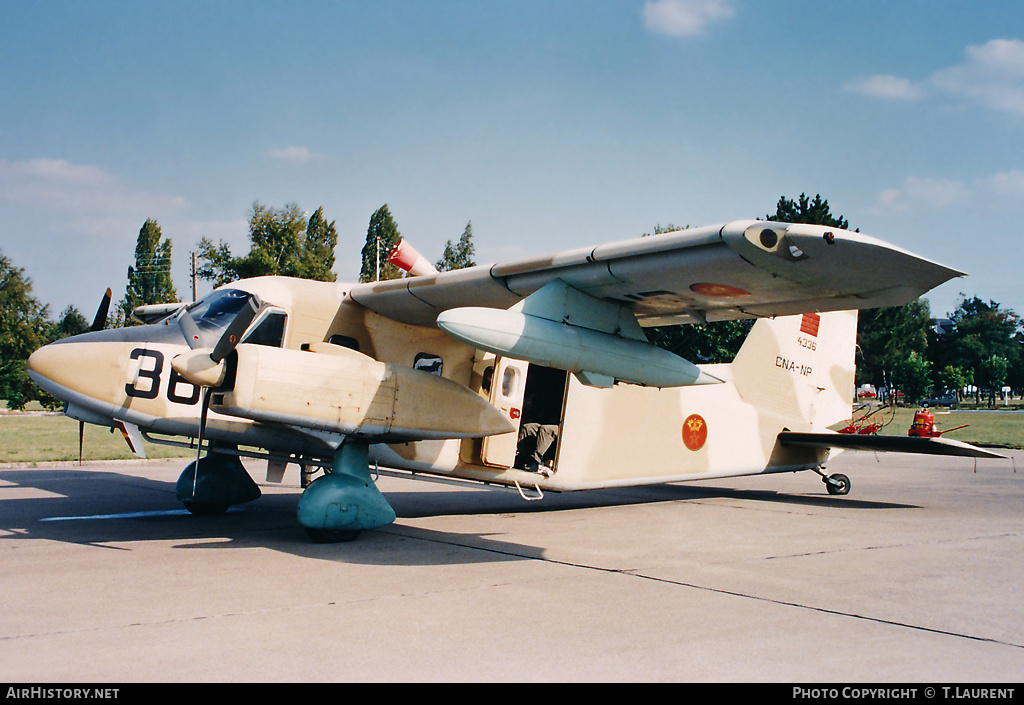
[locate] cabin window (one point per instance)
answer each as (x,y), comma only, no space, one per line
(269,331)
(427,362)
(345,341)
(509,379)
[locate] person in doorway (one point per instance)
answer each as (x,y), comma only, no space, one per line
(538,433)
(537,442)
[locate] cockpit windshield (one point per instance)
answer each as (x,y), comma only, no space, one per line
(213,313)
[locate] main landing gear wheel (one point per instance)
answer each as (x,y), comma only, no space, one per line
(837,484)
(331,535)
(205,509)
(339,505)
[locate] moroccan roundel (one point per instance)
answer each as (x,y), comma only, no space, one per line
(695,432)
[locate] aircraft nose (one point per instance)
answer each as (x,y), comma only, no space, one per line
(79,366)
(42,361)
(47,366)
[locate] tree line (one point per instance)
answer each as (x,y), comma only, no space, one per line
(898,347)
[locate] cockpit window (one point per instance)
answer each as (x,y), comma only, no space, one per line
(213,313)
(268,330)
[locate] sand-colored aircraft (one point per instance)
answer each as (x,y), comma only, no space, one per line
(448,375)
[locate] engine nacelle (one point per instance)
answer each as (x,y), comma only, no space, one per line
(335,389)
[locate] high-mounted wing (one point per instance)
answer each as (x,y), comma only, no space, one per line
(744,269)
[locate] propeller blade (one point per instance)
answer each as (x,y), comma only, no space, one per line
(81,435)
(205,411)
(233,333)
(205,408)
(189,329)
(100,322)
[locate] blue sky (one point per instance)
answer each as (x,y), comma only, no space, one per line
(549,125)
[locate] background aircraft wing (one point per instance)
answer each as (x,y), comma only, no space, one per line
(892,444)
(744,269)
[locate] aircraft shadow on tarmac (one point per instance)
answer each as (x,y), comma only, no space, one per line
(113,510)
(420,504)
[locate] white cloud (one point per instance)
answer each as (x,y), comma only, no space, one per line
(685,18)
(87,197)
(922,193)
(918,192)
(992,75)
(55,170)
(293,154)
(1005,183)
(887,88)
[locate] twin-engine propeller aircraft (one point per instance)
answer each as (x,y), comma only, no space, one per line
(440,375)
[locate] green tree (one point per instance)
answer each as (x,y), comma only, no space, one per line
(955,379)
(660,229)
(980,332)
(994,370)
(912,375)
(71,322)
(24,326)
(282,242)
(149,281)
(458,256)
(317,260)
(805,210)
(381,235)
(714,342)
(886,336)
(214,263)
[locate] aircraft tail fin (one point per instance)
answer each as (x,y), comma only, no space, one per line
(800,368)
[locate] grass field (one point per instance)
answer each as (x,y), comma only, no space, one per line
(35,437)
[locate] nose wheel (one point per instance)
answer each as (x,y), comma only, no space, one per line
(836,484)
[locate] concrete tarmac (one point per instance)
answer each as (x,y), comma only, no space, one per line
(915,576)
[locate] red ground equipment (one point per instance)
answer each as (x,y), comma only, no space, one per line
(867,425)
(924,425)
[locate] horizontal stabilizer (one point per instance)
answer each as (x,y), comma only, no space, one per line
(891,444)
